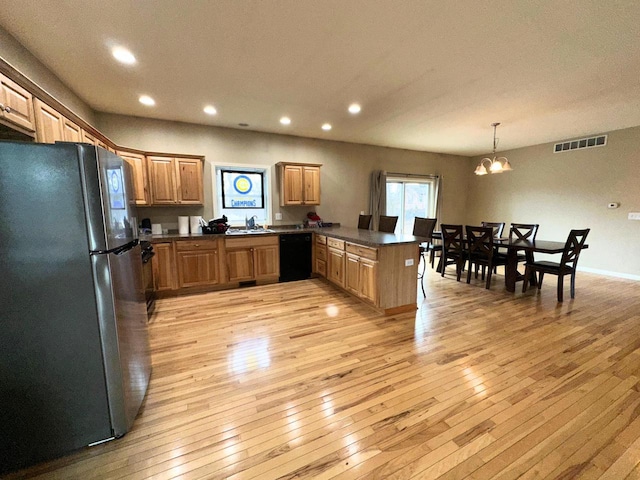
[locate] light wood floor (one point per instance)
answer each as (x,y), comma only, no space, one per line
(298,380)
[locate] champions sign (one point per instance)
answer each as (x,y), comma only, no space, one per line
(242,189)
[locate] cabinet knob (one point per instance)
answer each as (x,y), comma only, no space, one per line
(1,107)
(196,245)
(7,109)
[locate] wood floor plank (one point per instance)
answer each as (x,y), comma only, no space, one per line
(300,380)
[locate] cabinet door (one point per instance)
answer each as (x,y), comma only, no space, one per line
(17,103)
(49,123)
(352,271)
(335,266)
(240,264)
(292,181)
(189,181)
(89,138)
(367,280)
(162,263)
(162,180)
(321,267)
(71,131)
(311,177)
(197,268)
(140,183)
(266,261)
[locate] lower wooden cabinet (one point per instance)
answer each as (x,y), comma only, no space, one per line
(252,258)
(320,256)
(335,266)
(163,266)
(361,277)
(197,262)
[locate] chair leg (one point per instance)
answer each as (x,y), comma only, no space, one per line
(540,280)
(525,280)
(432,257)
(469,272)
(489,272)
(560,287)
(573,284)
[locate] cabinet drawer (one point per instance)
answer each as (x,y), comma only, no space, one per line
(362,251)
(252,241)
(321,252)
(321,239)
(332,242)
(190,245)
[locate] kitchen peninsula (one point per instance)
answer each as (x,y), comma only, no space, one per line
(379,268)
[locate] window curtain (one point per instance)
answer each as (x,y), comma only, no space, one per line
(438,202)
(378,196)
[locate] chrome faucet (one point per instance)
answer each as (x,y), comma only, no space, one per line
(250,223)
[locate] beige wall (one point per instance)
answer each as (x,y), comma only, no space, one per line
(344,175)
(22,60)
(561,191)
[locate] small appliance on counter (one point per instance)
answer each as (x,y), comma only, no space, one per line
(313,220)
(218,225)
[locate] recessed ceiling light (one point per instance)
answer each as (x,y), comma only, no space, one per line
(210,110)
(354,108)
(285,121)
(123,55)
(326,127)
(147,100)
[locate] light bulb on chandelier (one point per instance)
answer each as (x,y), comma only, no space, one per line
(496,164)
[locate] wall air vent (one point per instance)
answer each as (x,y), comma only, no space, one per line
(599,141)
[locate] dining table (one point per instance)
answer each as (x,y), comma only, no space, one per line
(513,246)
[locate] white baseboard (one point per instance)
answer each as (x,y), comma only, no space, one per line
(608,273)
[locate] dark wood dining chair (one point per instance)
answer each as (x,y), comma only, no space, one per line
(387,224)
(523,231)
(364,221)
(453,252)
(566,266)
(480,252)
(498,228)
(423,227)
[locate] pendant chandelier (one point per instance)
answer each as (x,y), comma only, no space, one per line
(496,165)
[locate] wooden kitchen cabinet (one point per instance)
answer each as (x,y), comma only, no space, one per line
(52,126)
(140,182)
(175,181)
(336,259)
(16,106)
(320,255)
(299,184)
(163,263)
(197,262)
(251,258)
(361,271)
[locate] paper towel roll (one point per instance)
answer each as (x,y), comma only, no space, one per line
(183,225)
(156,229)
(194,224)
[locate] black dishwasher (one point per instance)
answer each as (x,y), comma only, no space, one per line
(295,256)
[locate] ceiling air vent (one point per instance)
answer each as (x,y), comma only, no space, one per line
(599,141)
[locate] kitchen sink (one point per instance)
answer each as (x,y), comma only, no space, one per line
(257,231)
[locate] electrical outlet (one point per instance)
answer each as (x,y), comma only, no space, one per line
(408,262)
(361,212)
(278,216)
(634,216)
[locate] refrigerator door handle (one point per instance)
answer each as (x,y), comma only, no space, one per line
(117,250)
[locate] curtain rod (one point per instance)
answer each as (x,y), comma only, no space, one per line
(411,175)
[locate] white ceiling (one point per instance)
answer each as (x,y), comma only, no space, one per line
(430,75)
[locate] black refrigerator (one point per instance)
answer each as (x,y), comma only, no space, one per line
(74,350)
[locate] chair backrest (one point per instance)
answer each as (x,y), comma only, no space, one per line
(480,241)
(498,228)
(364,221)
(423,227)
(387,224)
(523,231)
(572,248)
(452,241)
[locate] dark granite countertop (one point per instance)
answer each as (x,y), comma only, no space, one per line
(355,235)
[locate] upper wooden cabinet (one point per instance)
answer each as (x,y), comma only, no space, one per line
(140,181)
(88,137)
(16,105)
(175,181)
(299,184)
(52,126)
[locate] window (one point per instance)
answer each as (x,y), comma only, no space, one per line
(409,197)
(241,193)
